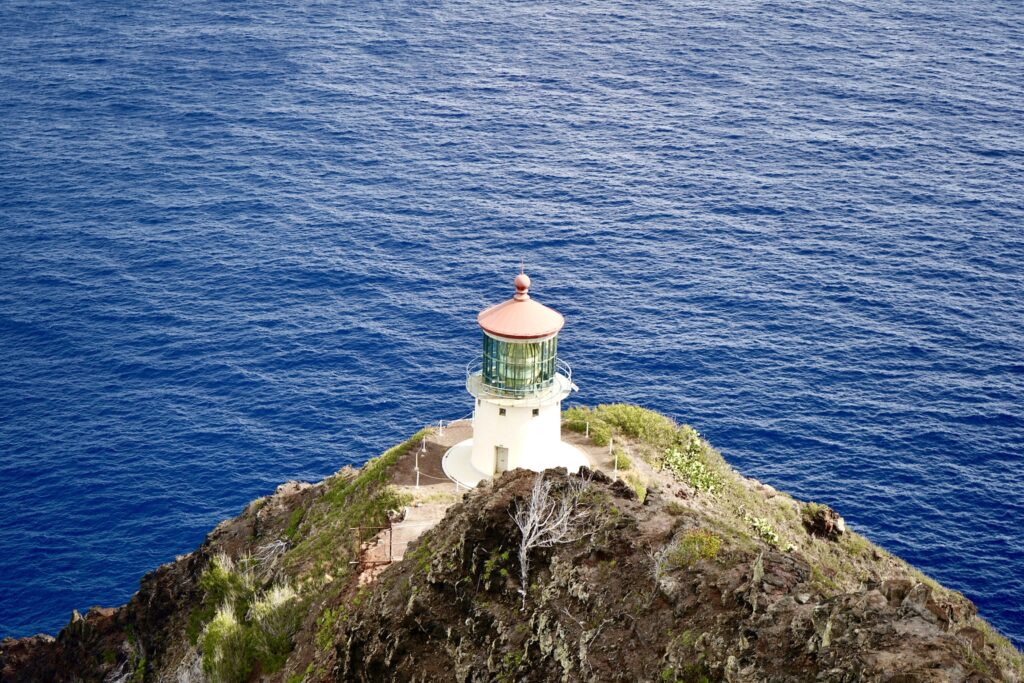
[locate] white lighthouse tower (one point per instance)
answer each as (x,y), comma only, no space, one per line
(518,384)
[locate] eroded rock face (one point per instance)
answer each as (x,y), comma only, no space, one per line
(599,609)
(665,590)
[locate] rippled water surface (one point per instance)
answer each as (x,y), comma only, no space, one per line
(246,242)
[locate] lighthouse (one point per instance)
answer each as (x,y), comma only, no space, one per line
(517,384)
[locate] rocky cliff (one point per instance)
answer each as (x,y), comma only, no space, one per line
(662,564)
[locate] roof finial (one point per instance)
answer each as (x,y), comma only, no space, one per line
(522,287)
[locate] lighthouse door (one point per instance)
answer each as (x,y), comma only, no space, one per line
(500,459)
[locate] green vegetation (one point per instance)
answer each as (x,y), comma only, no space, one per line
(248,627)
(221,584)
(665,445)
(228,653)
(620,418)
(620,460)
(824,583)
(638,485)
(422,555)
(697,544)
(496,565)
(675,508)
(325,542)
(510,664)
(1014,659)
(687,461)
(300,677)
(325,627)
(274,619)
(293,523)
(442,497)
(136,662)
(766,532)
(810,511)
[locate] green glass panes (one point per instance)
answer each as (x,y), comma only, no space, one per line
(519,368)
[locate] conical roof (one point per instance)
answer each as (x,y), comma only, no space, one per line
(520,317)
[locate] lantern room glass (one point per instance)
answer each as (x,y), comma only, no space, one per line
(519,367)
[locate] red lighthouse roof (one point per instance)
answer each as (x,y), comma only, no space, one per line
(520,317)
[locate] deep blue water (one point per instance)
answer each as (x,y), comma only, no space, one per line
(246,242)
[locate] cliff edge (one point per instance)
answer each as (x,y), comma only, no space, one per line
(661,564)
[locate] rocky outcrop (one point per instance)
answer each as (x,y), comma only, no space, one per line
(614,606)
(705,576)
(821,520)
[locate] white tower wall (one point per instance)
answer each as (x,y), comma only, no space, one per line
(530,439)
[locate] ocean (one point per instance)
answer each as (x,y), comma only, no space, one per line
(242,243)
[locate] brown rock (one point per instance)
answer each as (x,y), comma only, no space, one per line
(821,520)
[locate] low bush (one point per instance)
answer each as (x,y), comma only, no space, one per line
(688,462)
(604,421)
(222,584)
(675,508)
(698,544)
(646,425)
(274,619)
(620,460)
(227,645)
(638,485)
(248,627)
(767,533)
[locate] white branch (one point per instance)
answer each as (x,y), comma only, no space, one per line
(546,519)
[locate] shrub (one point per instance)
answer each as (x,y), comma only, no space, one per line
(609,419)
(228,653)
(620,460)
(675,508)
(575,419)
(222,584)
(646,425)
(698,544)
(767,532)
(274,619)
(494,565)
(686,460)
(638,486)
(245,627)
(325,627)
(293,523)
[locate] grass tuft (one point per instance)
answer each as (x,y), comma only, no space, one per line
(698,544)
(638,485)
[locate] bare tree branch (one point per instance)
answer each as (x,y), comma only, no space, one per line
(548,518)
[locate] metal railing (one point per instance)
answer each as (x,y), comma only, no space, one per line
(475,368)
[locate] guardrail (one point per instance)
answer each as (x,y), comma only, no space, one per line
(475,368)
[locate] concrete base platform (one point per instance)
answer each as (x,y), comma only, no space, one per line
(457,466)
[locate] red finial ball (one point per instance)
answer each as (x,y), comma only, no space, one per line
(522,282)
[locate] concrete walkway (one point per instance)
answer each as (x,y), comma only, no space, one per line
(391,544)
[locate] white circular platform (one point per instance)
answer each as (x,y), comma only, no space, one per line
(458,467)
